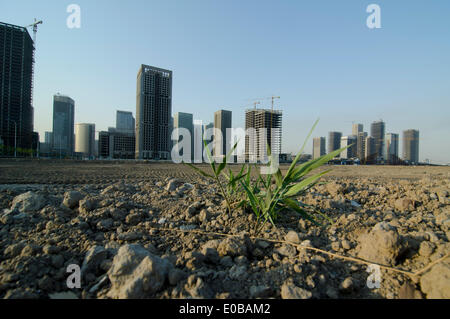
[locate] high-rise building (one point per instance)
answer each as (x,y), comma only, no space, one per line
(361,145)
(125,121)
(222,122)
(357,128)
(207,127)
(391,148)
(198,141)
(153,113)
(267,126)
(377,131)
(208,135)
(349,152)
(63,124)
(334,141)
(48,138)
(170,134)
(186,121)
(411,146)
(318,147)
(85,139)
(16,85)
(370,154)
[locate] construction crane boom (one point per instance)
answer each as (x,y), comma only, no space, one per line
(34,25)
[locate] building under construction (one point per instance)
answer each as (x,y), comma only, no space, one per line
(266,125)
(16,83)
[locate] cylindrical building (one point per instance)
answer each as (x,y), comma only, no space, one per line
(85,139)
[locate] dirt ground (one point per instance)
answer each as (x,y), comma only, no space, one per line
(88,172)
(152,230)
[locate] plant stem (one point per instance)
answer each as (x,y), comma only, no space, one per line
(224,195)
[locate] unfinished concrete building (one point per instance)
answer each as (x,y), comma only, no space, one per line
(267,131)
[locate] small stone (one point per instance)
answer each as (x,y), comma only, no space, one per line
(290,291)
(381,245)
(72,199)
(232,247)
(293,237)
(93,258)
(436,282)
(336,246)
(426,248)
(28,202)
(346,244)
(204,216)
(347,285)
(136,273)
(86,205)
(287,251)
(404,204)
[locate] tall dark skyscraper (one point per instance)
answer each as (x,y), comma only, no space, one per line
(153,113)
(63,125)
(16,74)
(411,146)
(334,141)
(377,131)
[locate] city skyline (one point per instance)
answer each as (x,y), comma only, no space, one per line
(399,90)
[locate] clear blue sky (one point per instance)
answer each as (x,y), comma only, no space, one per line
(319,56)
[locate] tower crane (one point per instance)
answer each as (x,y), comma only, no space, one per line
(34,25)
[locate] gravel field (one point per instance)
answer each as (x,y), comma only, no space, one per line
(151,230)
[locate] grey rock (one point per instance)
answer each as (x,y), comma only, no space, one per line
(188,227)
(136,273)
(72,199)
(238,272)
(293,237)
(290,291)
(426,248)
(105,224)
(128,236)
(436,282)
(87,205)
(93,258)
(28,202)
(173,184)
(347,285)
(204,216)
(232,247)
(287,251)
(381,245)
